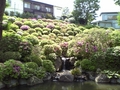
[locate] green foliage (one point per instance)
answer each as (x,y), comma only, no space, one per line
(25,48)
(29,23)
(77,63)
(87,65)
(31,65)
(1,71)
(12,69)
(85,9)
(48,65)
(4,56)
(33,39)
(115,37)
(10,42)
(40,72)
(14,27)
(55,31)
(117,2)
(76,72)
(48,49)
(118,19)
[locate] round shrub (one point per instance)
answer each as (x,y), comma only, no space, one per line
(46,42)
(48,49)
(48,65)
(11,19)
(24,27)
(76,71)
(18,23)
(25,48)
(14,27)
(10,42)
(10,55)
(12,69)
(40,72)
(70,33)
(55,31)
(87,65)
(31,65)
(29,23)
(37,25)
(31,30)
(38,29)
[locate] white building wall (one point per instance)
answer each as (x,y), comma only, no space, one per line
(15,6)
(57,12)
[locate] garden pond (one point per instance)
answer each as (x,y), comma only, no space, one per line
(88,85)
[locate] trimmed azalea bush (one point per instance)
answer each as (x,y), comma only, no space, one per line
(31,30)
(55,31)
(33,39)
(76,72)
(12,69)
(48,49)
(48,65)
(11,19)
(25,48)
(29,23)
(10,42)
(4,56)
(46,42)
(14,27)
(24,27)
(64,47)
(87,65)
(18,23)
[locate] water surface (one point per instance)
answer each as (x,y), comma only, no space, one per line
(88,85)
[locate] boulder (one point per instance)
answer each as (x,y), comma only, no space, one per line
(65,76)
(58,64)
(118,81)
(23,82)
(47,77)
(113,80)
(34,80)
(102,78)
(11,83)
(2,85)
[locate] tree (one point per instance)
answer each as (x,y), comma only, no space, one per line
(2,8)
(65,13)
(117,2)
(85,10)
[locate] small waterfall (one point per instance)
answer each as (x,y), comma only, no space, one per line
(64,62)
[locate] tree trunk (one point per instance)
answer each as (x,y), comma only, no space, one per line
(2,8)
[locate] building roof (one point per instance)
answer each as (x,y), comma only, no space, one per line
(108,13)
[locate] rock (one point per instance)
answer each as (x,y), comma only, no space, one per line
(34,80)
(102,78)
(2,85)
(58,64)
(11,83)
(92,75)
(66,76)
(118,81)
(22,81)
(47,77)
(113,80)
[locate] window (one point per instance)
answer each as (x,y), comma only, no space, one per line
(27,5)
(48,9)
(37,7)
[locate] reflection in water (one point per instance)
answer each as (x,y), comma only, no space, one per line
(88,85)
